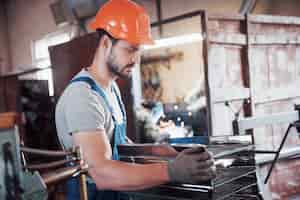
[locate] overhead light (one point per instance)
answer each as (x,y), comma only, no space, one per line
(173,41)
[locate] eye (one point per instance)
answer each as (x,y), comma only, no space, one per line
(131,50)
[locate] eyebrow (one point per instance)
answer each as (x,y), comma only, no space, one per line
(134,48)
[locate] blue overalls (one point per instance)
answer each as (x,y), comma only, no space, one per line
(119,137)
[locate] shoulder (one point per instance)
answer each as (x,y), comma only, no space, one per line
(79,93)
(80,90)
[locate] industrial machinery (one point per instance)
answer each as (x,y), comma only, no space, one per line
(237,177)
(19,181)
(236,166)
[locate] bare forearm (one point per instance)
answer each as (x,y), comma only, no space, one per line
(116,175)
(121,176)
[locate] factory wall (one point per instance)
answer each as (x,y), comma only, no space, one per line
(31,20)
(27,21)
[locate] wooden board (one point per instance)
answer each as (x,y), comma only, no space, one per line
(69,58)
(9,120)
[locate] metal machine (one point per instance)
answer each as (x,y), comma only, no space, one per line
(19,181)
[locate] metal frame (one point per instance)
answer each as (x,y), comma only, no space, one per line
(255,122)
(293,118)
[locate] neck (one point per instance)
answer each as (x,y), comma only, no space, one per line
(101,75)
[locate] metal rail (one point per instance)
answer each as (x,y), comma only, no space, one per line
(49,165)
(49,153)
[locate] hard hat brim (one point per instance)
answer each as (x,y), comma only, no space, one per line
(140,41)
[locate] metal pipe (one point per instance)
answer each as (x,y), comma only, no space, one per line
(49,153)
(83,187)
(7,75)
(60,174)
(82,177)
(278,153)
(177,18)
(49,165)
(159,17)
(265,152)
(247,6)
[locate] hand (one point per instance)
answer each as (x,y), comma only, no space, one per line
(192,165)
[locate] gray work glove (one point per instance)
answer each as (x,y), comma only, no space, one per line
(192,165)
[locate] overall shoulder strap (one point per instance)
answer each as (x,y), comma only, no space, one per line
(121,105)
(94,87)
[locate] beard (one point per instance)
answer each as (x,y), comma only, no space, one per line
(116,69)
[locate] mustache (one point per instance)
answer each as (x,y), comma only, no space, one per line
(129,65)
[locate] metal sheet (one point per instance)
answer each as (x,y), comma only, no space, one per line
(155,152)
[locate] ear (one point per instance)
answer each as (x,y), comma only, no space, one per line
(105,45)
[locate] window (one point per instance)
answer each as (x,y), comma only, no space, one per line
(41,58)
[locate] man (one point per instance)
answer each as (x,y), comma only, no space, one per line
(90,112)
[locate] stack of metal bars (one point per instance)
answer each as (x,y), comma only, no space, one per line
(237,181)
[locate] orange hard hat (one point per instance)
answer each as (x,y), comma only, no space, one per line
(124,19)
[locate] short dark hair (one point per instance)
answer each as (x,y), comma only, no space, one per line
(102,32)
